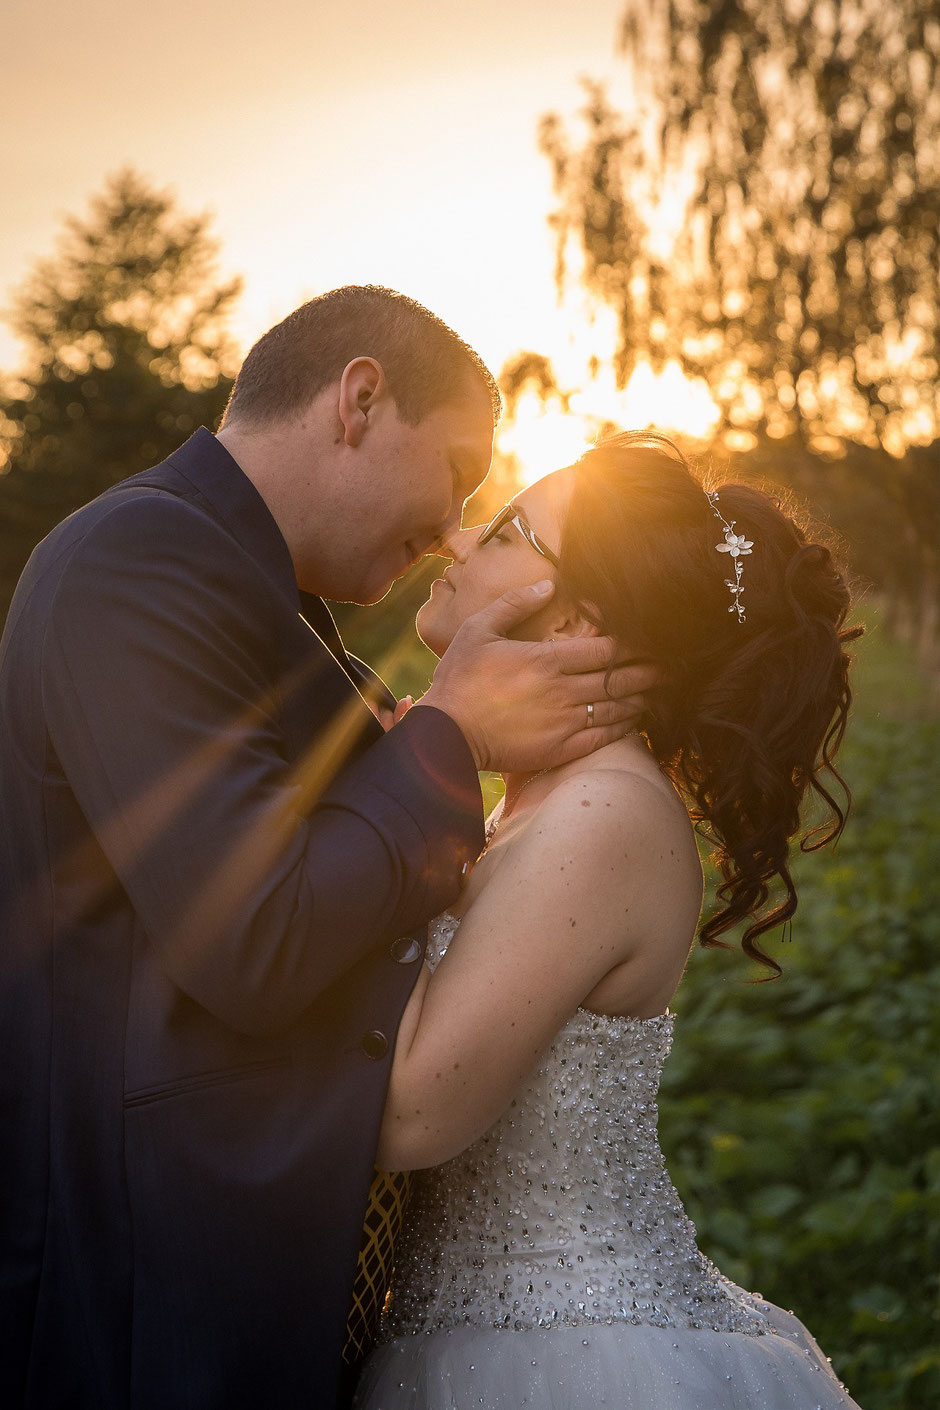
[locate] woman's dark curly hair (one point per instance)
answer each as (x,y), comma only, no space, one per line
(751,713)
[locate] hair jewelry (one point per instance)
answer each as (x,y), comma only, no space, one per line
(738,546)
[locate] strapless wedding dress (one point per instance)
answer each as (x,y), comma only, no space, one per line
(552,1265)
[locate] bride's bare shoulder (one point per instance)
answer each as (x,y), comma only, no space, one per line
(617,792)
(625,827)
(620,845)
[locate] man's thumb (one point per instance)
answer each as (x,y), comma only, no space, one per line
(514,607)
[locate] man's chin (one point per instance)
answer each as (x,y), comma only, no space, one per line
(371,598)
(367,594)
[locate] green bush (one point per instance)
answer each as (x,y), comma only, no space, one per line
(799,1117)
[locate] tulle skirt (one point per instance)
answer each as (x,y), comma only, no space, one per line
(620,1367)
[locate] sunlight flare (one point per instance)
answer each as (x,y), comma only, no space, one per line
(542,436)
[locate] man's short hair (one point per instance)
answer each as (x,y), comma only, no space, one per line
(426,364)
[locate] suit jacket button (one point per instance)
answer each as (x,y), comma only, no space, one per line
(374,1044)
(407,949)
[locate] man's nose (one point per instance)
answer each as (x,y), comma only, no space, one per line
(456,543)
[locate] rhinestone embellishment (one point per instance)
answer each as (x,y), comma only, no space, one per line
(563,1213)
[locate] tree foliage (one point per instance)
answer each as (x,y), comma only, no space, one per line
(127,351)
(765,210)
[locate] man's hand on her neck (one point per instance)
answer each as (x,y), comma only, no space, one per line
(523,705)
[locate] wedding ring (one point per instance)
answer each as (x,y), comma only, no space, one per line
(590,710)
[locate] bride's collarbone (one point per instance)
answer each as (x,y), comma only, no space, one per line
(497,849)
(481,874)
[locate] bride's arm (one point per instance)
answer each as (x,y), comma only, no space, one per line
(575,896)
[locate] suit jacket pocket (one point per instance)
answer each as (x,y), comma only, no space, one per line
(142,1096)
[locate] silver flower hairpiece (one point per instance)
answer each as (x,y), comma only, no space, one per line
(738,546)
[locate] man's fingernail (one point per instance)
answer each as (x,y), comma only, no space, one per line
(544,587)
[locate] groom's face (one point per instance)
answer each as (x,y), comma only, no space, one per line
(409,490)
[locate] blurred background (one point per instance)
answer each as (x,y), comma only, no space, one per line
(717,217)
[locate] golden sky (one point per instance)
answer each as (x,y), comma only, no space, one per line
(335,143)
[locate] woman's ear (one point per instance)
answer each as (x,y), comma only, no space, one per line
(568,622)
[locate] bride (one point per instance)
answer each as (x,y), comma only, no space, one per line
(546,1259)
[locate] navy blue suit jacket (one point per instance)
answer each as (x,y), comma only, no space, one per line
(208,850)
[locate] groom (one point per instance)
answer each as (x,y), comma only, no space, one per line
(216,870)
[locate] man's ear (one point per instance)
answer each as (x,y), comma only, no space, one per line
(361,386)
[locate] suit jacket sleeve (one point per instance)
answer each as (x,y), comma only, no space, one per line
(257,887)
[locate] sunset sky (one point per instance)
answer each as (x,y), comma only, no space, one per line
(335,143)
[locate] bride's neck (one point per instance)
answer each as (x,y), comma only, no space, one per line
(517,782)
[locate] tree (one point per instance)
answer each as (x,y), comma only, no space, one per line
(127,351)
(796,144)
(764,211)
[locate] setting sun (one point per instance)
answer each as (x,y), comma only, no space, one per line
(541,435)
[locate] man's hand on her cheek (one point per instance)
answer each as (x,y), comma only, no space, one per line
(524,705)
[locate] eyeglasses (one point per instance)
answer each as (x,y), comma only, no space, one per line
(509,514)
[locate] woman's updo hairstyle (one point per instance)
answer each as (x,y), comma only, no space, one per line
(752,712)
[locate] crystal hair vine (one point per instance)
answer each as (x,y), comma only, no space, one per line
(738,546)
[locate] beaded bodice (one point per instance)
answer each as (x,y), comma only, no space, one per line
(563,1212)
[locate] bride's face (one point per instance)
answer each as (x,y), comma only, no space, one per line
(482,572)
